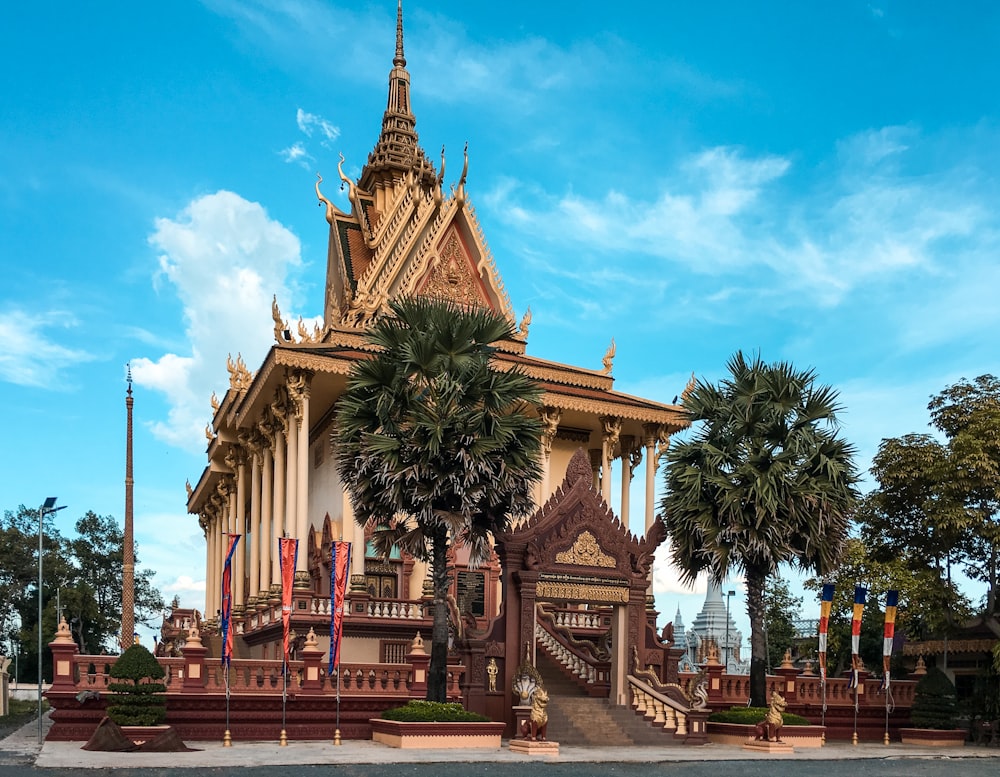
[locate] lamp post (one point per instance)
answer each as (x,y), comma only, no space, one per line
(729,595)
(48,507)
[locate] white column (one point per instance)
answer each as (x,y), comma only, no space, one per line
(255,532)
(550,426)
(302,479)
(291,477)
(651,432)
(626,446)
(611,428)
(266,521)
(278,517)
(239,556)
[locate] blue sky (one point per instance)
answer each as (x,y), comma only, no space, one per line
(818,182)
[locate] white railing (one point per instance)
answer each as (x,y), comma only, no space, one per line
(565,656)
(658,708)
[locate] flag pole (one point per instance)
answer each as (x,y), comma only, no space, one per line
(283,737)
(340,566)
(227,738)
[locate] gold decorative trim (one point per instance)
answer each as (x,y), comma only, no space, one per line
(586,553)
(581,592)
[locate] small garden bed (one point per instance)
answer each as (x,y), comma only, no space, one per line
(735,726)
(422,724)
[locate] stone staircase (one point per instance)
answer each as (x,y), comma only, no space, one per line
(576,719)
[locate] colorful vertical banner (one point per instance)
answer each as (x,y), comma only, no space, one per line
(860,593)
(288,551)
(825,605)
(227,599)
(891,601)
(340,567)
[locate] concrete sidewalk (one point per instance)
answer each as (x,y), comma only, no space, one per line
(22,747)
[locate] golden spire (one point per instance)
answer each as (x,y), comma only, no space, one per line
(399,60)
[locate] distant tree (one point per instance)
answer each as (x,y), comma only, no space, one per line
(764,480)
(781,610)
(435,444)
(82,574)
(937,505)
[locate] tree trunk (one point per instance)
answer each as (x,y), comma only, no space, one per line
(437,673)
(758,639)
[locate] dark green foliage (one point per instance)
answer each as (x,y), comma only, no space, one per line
(934,704)
(433,712)
(84,572)
(435,444)
(781,610)
(138,698)
(754,715)
(764,480)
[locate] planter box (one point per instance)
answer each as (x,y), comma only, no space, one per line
(929,737)
(395,733)
(142,734)
(740,733)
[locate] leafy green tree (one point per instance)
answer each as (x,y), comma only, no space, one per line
(937,504)
(83,574)
(781,610)
(764,480)
(435,444)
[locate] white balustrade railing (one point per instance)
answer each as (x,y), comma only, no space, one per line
(658,708)
(564,656)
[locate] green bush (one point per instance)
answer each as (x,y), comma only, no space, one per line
(934,704)
(754,715)
(433,712)
(138,698)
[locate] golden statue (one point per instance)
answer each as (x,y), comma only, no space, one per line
(769,728)
(492,670)
(534,727)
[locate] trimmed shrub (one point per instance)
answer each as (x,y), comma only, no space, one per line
(934,704)
(138,698)
(754,715)
(433,712)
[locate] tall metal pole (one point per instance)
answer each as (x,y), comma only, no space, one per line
(729,594)
(49,506)
(128,543)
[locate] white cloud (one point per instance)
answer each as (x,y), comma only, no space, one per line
(224,258)
(296,154)
(879,218)
(29,354)
(310,122)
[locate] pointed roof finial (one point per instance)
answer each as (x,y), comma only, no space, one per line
(128,376)
(399,60)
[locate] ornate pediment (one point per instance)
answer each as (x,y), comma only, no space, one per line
(586,552)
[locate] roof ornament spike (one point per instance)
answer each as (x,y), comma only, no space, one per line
(399,60)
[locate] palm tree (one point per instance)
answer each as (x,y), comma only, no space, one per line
(435,444)
(765,480)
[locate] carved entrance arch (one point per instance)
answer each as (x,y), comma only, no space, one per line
(574,549)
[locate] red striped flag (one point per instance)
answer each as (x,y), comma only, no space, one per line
(340,567)
(826,603)
(227,600)
(891,600)
(860,593)
(288,551)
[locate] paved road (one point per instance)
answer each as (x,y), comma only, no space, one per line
(925,767)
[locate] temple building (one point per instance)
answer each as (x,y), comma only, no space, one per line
(713,630)
(270,466)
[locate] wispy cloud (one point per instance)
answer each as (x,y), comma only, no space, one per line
(310,122)
(877,221)
(297,154)
(30,354)
(223,257)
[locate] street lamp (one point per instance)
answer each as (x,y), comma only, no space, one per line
(48,507)
(729,595)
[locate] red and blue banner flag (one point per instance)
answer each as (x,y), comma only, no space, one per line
(826,603)
(888,633)
(860,594)
(288,551)
(227,599)
(340,567)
